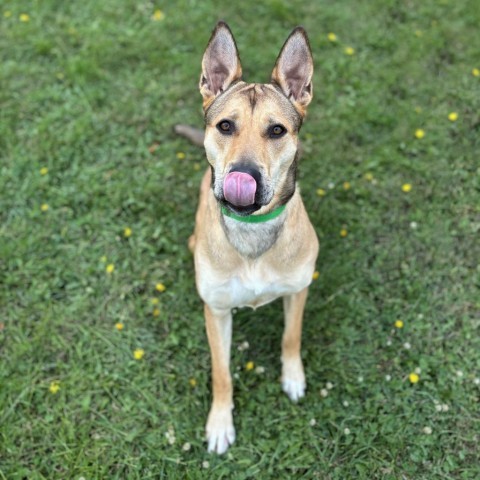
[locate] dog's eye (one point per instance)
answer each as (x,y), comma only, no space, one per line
(225,127)
(276,131)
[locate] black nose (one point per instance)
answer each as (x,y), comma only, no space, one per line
(250,168)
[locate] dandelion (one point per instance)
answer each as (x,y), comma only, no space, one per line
(418,370)
(418,110)
(154,301)
(398,323)
(346,185)
(368,176)
(418,33)
(331,185)
(138,354)
(103,258)
(192,382)
(419,133)
(406,187)
(324,392)
(110,268)
(346,431)
(453,116)
(316,275)
(349,51)
(312,422)
(414,378)
(321,192)
(54,387)
(343,232)
(158,15)
(156,312)
(427,430)
(44,207)
(205,464)
(186,447)
(43,171)
(160,287)
(197,166)
(24,17)
(407,346)
(249,366)
(7,13)
(119,326)
(127,232)
(259,370)
(476,72)
(332,37)
(388,378)
(180,155)
(243,346)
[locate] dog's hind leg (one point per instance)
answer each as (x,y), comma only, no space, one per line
(293,376)
(220,429)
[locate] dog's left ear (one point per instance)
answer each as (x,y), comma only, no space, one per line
(293,70)
(220,65)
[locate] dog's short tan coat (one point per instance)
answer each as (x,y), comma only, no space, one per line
(249,264)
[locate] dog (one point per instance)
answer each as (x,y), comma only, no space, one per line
(253,241)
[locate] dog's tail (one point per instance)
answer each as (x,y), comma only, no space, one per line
(194,135)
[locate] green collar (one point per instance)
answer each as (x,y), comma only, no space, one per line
(254,218)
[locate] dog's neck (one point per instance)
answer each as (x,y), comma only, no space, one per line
(252,240)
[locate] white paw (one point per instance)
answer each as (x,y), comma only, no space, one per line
(293,379)
(294,389)
(220,431)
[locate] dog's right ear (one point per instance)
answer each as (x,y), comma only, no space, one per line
(220,65)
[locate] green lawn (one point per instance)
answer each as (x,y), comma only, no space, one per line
(90,91)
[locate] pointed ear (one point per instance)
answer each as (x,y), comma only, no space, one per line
(220,64)
(294,70)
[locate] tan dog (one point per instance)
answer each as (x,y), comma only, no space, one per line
(253,241)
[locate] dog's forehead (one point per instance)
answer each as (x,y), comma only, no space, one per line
(256,100)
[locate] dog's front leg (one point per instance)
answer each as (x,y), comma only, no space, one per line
(220,429)
(293,376)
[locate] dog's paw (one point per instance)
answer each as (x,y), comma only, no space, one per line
(294,389)
(293,379)
(220,431)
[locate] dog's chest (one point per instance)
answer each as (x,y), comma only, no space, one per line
(253,286)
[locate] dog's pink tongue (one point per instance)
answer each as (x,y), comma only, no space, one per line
(239,189)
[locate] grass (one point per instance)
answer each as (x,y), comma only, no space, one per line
(91,90)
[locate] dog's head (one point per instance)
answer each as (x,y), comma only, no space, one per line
(251,135)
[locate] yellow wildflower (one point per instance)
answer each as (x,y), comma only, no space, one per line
(343,232)
(321,192)
(197,166)
(24,17)
(138,354)
(119,326)
(110,268)
(54,387)
(406,187)
(349,51)
(368,176)
(44,207)
(160,287)
(332,37)
(158,15)
(156,312)
(127,232)
(154,301)
(103,259)
(249,366)
(7,13)
(414,378)
(399,323)
(476,72)
(192,382)
(418,33)
(346,185)
(316,275)
(180,155)
(453,117)
(419,133)
(418,110)
(43,171)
